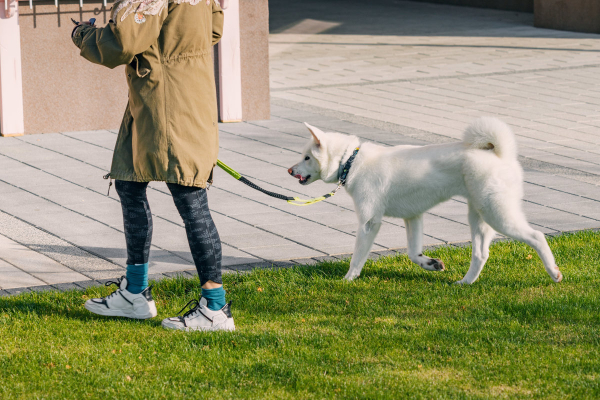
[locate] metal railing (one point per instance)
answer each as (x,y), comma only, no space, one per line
(6,3)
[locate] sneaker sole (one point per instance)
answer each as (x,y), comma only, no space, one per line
(194,329)
(106,312)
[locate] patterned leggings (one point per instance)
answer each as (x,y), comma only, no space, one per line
(192,204)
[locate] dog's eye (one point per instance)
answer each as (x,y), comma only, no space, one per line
(306,158)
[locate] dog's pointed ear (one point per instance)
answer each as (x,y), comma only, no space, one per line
(315,132)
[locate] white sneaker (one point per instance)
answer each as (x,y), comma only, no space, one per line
(201,318)
(122,303)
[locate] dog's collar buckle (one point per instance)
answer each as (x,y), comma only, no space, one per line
(346,169)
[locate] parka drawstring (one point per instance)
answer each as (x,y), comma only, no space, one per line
(107,176)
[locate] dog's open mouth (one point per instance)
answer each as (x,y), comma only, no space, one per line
(303,180)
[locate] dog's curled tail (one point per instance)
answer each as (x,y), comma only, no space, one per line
(488,133)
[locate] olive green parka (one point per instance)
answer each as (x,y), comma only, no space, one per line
(169,131)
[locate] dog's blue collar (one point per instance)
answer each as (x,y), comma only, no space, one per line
(343,171)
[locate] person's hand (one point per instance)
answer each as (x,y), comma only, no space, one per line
(91,22)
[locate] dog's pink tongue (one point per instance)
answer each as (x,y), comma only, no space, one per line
(298,176)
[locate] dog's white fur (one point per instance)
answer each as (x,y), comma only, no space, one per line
(406,181)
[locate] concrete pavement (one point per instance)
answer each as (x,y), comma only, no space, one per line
(392,72)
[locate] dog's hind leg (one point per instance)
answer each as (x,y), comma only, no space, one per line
(511,221)
(481,235)
(414,233)
(364,241)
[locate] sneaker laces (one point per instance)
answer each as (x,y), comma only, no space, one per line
(195,307)
(192,312)
(117,282)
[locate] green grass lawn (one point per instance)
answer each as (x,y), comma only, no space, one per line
(396,332)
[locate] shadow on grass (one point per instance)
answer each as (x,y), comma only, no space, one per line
(53,304)
(518,291)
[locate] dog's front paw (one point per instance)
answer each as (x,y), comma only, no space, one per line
(437,264)
(462,282)
(559,276)
(351,275)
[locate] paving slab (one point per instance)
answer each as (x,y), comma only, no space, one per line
(63,287)
(395,72)
(87,283)
(16,278)
(30,266)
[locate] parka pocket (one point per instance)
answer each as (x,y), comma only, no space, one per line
(141,66)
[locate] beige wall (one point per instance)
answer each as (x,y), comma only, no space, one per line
(61,90)
(64,92)
(254,50)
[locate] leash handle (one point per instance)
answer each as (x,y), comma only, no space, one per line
(229,170)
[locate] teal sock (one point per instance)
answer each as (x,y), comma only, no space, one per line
(137,278)
(215,298)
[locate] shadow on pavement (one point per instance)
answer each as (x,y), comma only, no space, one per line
(398,18)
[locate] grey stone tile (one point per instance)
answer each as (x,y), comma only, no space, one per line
(326,258)
(284,264)
(63,287)
(386,253)
(345,249)
(263,265)
(577,226)
(17,278)
(390,241)
(243,267)
(86,284)
(17,291)
(585,207)
(175,274)
(543,229)
(51,246)
(344,256)
(58,277)
(305,261)
(266,219)
(259,239)
(105,281)
(4,293)
(233,256)
(284,252)
(43,288)
(105,275)
(553,218)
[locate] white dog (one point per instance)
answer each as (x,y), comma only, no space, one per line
(406,181)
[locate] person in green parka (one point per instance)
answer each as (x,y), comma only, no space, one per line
(169,133)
